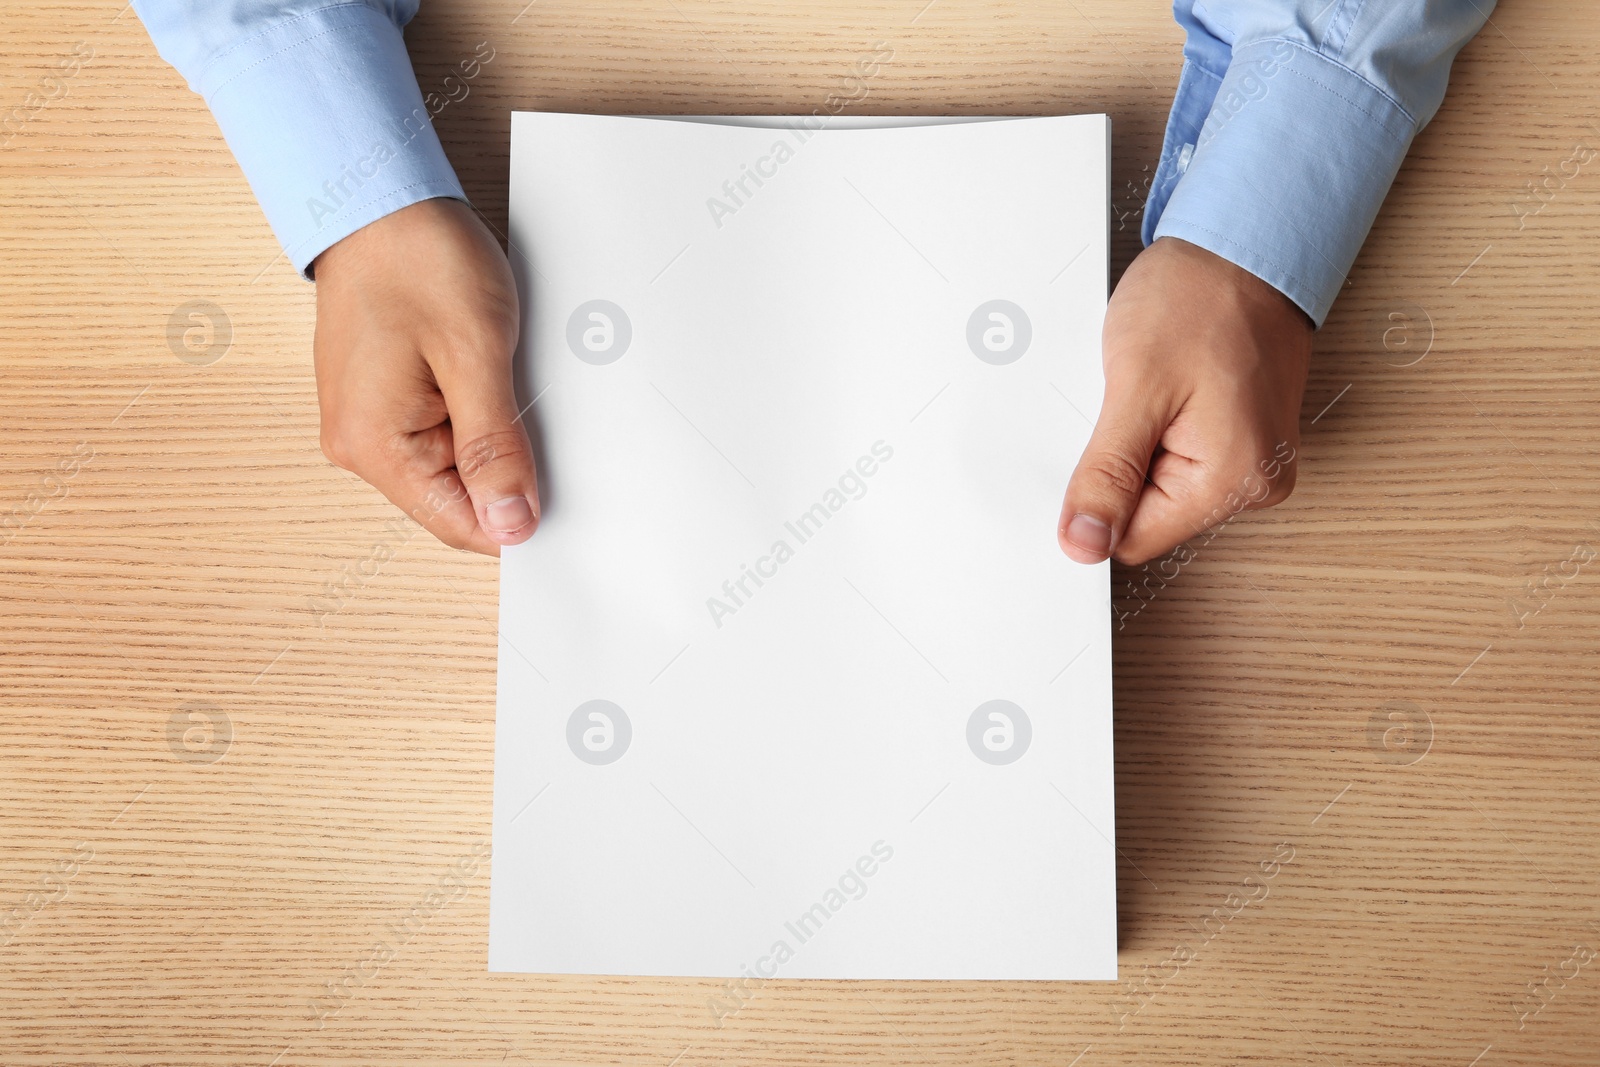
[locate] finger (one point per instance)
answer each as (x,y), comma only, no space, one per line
(1110,476)
(1176,505)
(492,453)
(416,471)
(1186,497)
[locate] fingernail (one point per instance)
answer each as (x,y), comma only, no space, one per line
(1090,536)
(509,515)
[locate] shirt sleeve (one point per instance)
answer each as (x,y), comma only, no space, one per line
(319,104)
(1290,123)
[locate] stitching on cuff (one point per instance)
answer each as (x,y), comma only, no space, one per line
(1331,91)
(367,205)
(1314,54)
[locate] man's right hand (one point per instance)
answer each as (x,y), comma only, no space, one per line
(1205,367)
(417,321)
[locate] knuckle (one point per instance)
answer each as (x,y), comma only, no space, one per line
(1243,483)
(1276,473)
(493,451)
(338,449)
(354,438)
(1282,486)
(1114,471)
(1254,488)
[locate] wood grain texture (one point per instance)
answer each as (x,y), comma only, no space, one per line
(178,911)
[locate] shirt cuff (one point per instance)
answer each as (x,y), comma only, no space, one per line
(1287,171)
(323,113)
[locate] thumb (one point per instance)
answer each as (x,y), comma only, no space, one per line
(1110,477)
(492,452)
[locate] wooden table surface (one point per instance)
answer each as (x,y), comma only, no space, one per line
(1358,777)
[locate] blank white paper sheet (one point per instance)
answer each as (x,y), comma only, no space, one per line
(794,679)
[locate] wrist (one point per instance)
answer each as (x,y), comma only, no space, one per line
(377,242)
(1244,293)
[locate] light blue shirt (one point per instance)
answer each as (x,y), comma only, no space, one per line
(1290,122)
(319,104)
